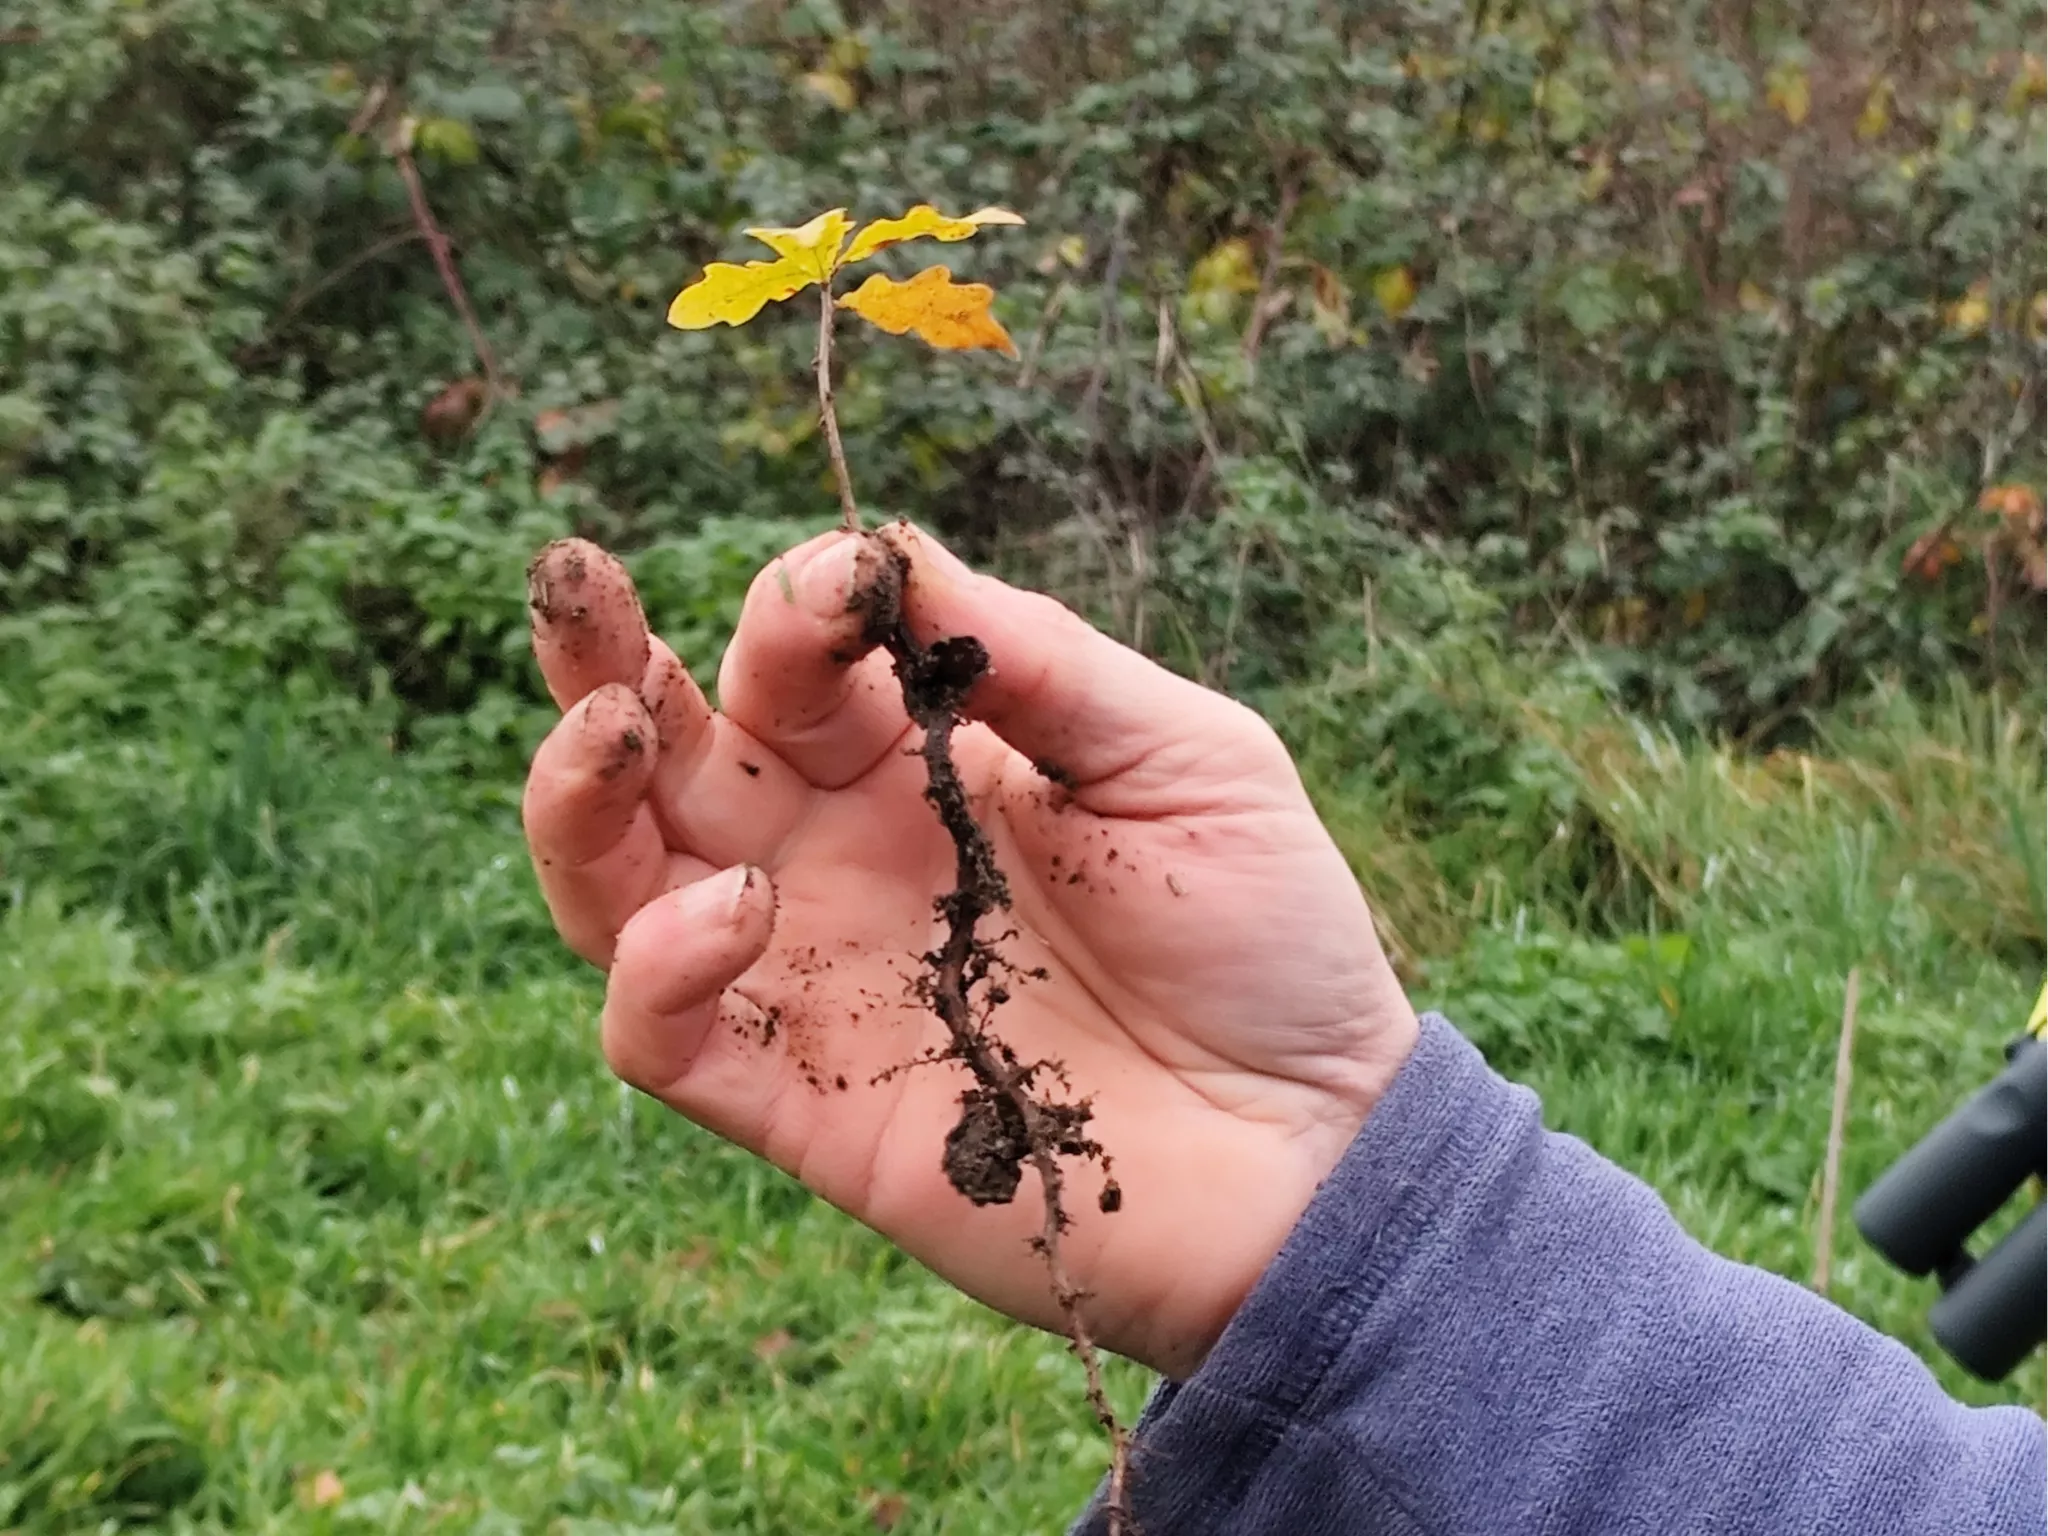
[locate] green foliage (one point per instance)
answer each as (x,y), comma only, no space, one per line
(362,1204)
(414,1238)
(1671,337)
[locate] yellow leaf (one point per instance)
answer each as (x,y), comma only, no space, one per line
(923,220)
(943,312)
(447,138)
(1395,289)
(1877,112)
(1752,299)
(1227,269)
(2029,85)
(1971,313)
(832,87)
(849,53)
(1073,250)
(732,295)
(814,247)
(1791,93)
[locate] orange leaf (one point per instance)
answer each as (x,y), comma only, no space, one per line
(943,312)
(1932,553)
(922,221)
(732,295)
(2014,502)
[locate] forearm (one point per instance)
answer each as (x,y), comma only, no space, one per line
(1483,1326)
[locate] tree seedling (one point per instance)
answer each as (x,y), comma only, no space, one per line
(1008,1114)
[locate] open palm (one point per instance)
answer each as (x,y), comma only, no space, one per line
(759,881)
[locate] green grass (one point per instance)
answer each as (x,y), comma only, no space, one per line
(263,1222)
(309,1164)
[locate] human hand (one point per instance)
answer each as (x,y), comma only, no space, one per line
(759,882)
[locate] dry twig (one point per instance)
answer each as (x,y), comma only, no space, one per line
(444,263)
(1831,1168)
(848,509)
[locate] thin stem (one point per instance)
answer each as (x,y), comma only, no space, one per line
(1069,1297)
(847,507)
(437,242)
(321,284)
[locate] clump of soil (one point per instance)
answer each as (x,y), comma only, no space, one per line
(986,1148)
(1007,1117)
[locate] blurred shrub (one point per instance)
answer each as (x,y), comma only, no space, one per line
(1700,344)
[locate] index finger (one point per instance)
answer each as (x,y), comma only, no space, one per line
(588,626)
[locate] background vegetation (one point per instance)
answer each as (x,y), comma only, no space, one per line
(1606,440)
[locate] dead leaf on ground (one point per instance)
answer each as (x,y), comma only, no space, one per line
(696,1256)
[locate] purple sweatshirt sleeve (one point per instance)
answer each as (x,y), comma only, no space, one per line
(1482,1328)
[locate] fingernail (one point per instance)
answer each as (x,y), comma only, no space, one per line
(728,893)
(612,707)
(941,561)
(557,580)
(826,581)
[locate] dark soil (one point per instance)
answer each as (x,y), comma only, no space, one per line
(1056,774)
(986,1148)
(621,754)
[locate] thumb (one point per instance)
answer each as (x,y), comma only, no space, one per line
(670,971)
(1087,710)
